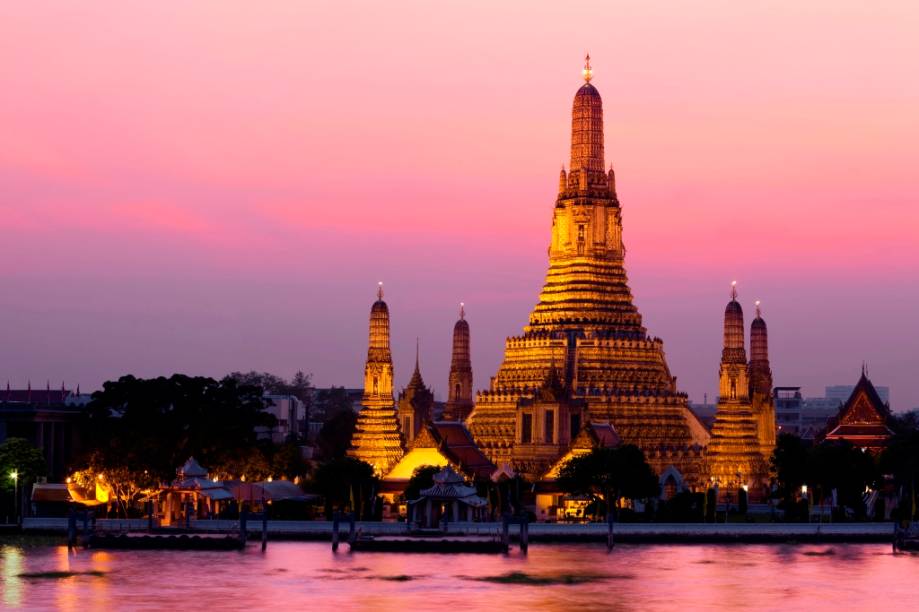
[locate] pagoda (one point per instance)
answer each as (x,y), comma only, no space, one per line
(416,404)
(585,355)
(377,438)
(459,401)
(762,402)
(735,453)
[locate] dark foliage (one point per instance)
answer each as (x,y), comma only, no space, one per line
(347,484)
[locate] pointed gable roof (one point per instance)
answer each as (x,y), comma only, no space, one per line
(862,420)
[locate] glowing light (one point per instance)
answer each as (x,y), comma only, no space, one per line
(243,478)
(270,479)
(14,475)
(214,479)
(733,283)
(804,489)
(757,302)
(745,488)
(68,480)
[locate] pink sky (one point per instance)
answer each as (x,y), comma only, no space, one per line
(211,186)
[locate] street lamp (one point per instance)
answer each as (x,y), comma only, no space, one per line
(15,476)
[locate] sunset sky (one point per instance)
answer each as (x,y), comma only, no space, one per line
(202,187)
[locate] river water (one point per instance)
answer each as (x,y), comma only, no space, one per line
(308,575)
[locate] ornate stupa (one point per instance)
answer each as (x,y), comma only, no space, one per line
(459,399)
(761,399)
(377,438)
(585,355)
(416,403)
(735,453)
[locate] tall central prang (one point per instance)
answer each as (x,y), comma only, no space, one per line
(585,357)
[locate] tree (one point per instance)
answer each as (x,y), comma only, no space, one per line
(844,468)
(347,483)
(608,474)
(789,462)
(335,435)
(422,478)
(330,402)
(139,431)
(18,456)
(287,461)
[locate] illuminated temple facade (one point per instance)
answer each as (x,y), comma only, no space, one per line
(743,434)
(377,437)
(585,357)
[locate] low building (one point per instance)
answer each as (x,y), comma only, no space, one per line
(290,413)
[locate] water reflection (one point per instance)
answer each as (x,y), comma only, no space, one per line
(12,558)
(551,577)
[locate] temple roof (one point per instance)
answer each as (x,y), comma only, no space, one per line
(192,469)
(862,420)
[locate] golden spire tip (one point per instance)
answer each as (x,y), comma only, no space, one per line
(587,72)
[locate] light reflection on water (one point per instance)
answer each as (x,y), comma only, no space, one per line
(551,577)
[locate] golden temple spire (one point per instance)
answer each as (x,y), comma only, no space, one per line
(462,310)
(587,129)
(757,309)
(588,73)
(380,290)
(733,290)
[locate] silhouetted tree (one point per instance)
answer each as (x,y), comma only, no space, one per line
(422,478)
(335,435)
(609,474)
(346,484)
(789,462)
(144,429)
(19,456)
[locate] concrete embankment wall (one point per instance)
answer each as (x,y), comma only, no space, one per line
(538,532)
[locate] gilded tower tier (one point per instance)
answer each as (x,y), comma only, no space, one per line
(377,438)
(585,354)
(761,398)
(735,451)
(459,399)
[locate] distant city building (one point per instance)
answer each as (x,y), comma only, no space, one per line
(788,407)
(290,413)
(842,392)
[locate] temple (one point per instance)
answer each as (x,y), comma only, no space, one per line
(377,437)
(459,402)
(761,394)
(862,421)
(416,403)
(585,355)
(736,451)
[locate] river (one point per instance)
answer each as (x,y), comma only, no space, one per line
(307,575)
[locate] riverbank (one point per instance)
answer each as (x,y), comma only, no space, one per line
(659,533)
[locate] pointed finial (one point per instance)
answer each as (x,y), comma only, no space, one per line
(757,309)
(417,352)
(733,290)
(462,310)
(380,290)
(587,72)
